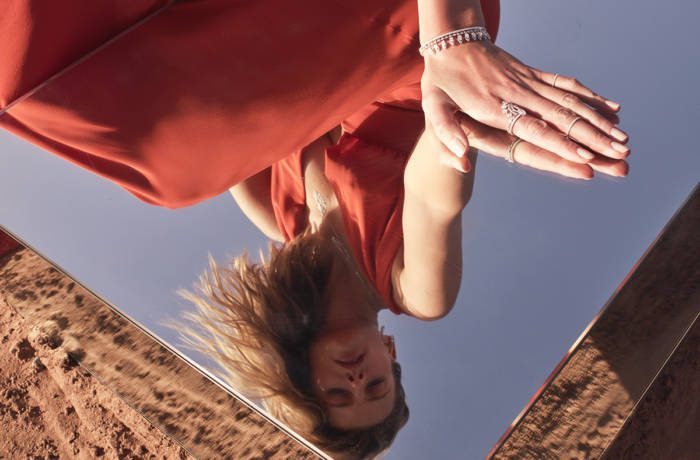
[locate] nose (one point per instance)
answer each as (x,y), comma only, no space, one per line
(356,377)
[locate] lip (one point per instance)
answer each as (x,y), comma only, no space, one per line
(351,362)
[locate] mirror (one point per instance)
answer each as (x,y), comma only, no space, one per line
(540,253)
(75,365)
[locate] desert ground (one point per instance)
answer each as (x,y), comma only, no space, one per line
(52,408)
(129,397)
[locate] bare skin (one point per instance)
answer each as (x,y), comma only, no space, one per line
(350,360)
(350,363)
(450,86)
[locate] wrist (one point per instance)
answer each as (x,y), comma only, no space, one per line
(454,53)
(442,43)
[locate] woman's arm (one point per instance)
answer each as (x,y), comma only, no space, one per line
(253,197)
(428,271)
(562,115)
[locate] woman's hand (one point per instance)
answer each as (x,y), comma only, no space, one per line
(497,142)
(476,77)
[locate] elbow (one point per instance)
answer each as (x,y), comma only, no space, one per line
(435,317)
(273,234)
(430,311)
(429,300)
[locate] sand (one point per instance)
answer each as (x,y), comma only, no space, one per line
(588,406)
(53,407)
(666,422)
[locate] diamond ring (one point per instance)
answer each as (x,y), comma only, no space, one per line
(513,113)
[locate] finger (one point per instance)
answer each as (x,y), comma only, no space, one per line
(609,166)
(447,158)
(562,118)
(538,158)
(536,131)
(496,142)
(577,105)
(612,117)
(578,88)
(441,112)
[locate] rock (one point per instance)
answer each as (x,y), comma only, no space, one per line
(47,333)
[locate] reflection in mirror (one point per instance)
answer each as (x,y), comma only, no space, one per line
(299,329)
(591,400)
(326,151)
(94,383)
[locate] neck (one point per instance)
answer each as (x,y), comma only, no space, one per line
(350,298)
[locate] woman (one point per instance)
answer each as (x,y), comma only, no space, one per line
(368,53)
(370,218)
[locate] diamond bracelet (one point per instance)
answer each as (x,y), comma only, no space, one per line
(456,37)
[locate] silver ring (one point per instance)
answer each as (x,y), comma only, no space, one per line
(571,125)
(513,113)
(511,150)
(554,83)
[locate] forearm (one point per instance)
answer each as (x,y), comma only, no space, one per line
(440,188)
(432,261)
(436,17)
(435,195)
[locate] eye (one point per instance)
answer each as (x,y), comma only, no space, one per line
(336,391)
(338,396)
(376,386)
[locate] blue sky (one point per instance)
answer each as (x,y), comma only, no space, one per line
(542,254)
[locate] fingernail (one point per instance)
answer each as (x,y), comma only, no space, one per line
(457,146)
(467,167)
(619,147)
(612,105)
(585,154)
(454,164)
(618,134)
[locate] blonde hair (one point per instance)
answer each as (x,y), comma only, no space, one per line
(257,320)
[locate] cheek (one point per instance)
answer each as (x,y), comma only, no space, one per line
(320,377)
(381,354)
(386,365)
(320,382)
(317,356)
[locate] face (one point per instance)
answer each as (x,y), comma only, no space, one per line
(352,376)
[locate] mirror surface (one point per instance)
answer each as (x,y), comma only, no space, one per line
(541,253)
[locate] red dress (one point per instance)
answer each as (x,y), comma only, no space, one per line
(365,168)
(198,95)
(179,101)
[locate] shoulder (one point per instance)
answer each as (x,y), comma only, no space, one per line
(253,198)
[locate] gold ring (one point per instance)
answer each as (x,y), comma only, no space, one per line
(511,150)
(571,125)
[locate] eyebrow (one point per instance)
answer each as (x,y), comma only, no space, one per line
(375,398)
